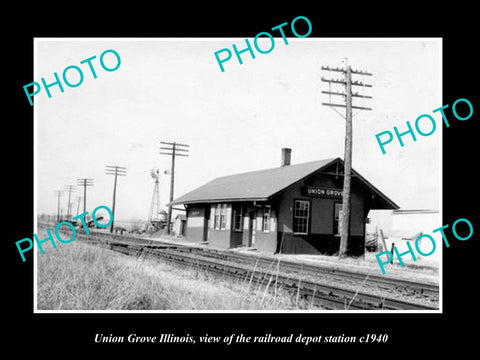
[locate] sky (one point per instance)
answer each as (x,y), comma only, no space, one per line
(234,121)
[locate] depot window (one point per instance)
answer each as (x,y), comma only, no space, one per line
(266,219)
(301,216)
(337,224)
(216,217)
(237,218)
(220,217)
(223,216)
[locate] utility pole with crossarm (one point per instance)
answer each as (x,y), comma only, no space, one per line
(348,96)
(84,182)
(58,193)
(70,189)
(174,149)
(116,171)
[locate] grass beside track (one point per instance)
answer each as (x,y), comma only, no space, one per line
(79,276)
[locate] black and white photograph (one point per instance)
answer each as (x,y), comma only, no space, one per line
(281,185)
(228,187)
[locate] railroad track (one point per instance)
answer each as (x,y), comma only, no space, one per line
(308,281)
(320,272)
(393,285)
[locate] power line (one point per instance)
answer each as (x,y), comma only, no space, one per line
(347,96)
(116,171)
(173,149)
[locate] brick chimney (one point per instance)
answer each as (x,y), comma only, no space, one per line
(286,156)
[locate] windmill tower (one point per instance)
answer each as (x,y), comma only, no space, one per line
(153,215)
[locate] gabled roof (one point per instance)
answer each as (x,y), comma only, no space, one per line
(262,185)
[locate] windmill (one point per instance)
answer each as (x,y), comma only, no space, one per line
(153,215)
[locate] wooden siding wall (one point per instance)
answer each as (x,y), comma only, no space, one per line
(320,237)
(195,223)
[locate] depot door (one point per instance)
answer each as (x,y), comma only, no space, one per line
(206,221)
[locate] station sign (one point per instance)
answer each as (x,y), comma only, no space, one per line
(323,192)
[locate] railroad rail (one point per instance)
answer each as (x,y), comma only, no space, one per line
(307,280)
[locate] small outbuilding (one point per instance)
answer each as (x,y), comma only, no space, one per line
(292,209)
(179,224)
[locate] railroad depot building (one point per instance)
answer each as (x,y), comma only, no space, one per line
(292,209)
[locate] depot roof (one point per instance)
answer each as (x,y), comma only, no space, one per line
(262,185)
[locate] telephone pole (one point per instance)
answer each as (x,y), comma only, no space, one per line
(348,96)
(78,203)
(117,171)
(69,188)
(58,193)
(173,149)
(84,182)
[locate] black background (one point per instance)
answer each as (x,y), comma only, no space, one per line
(61,335)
